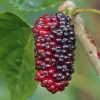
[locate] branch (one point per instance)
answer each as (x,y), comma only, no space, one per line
(85,37)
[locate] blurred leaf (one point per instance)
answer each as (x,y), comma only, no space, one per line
(30,5)
(4,90)
(87,85)
(16,56)
(2,1)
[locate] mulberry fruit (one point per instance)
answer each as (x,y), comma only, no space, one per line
(54,38)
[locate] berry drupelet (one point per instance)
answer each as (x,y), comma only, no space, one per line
(54,51)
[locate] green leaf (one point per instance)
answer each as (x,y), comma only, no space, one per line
(16,56)
(30,5)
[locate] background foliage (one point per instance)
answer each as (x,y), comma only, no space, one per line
(85,82)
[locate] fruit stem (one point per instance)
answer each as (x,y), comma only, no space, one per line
(86,10)
(83,34)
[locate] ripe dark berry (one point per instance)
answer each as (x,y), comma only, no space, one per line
(55,40)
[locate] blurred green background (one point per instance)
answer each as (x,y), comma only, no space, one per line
(85,83)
